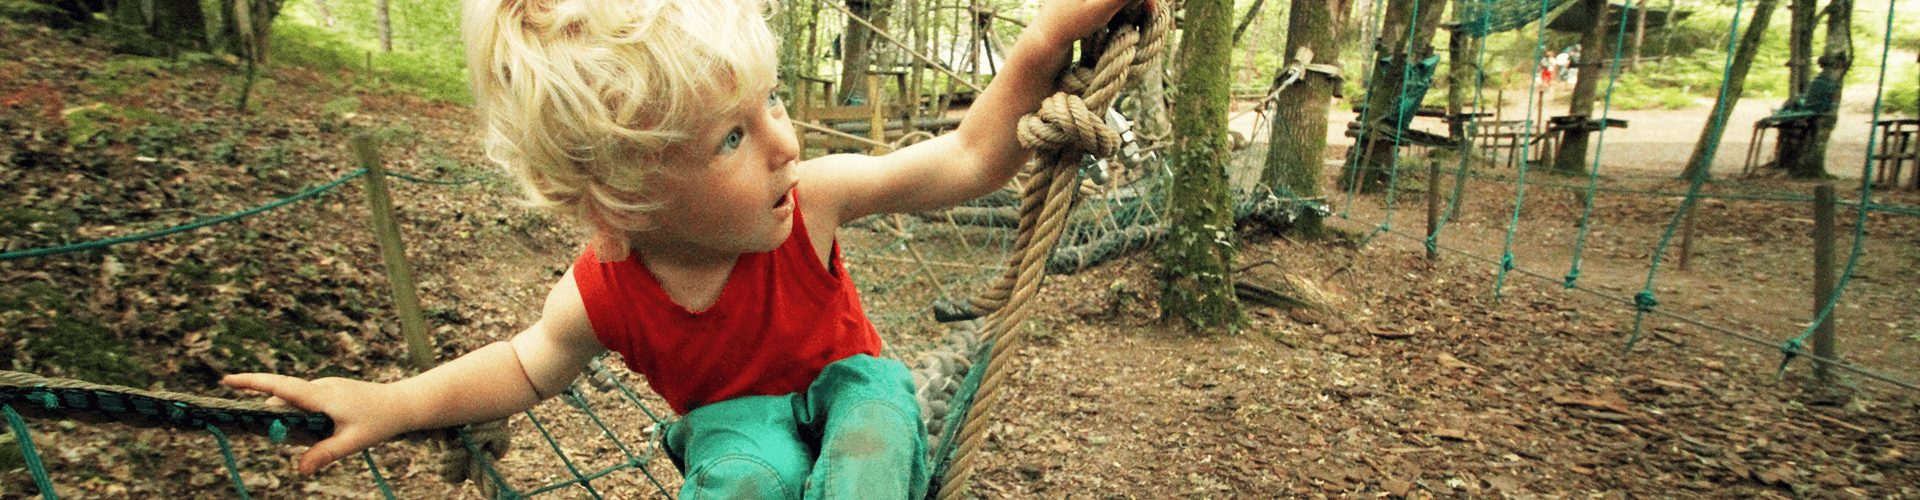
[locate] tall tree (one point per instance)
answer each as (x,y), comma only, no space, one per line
(857,46)
(1803,151)
(1196,259)
(1298,140)
(1701,163)
(1405,36)
(1800,46)
(383,17)
(1572,157)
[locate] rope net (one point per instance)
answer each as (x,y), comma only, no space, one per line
(913,268)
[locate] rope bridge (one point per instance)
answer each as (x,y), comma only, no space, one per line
(1068,127)
(961,376)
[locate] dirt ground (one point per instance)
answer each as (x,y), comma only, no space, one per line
(1416,378)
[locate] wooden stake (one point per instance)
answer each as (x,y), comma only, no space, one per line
(1433,209)
(1823,282)
(406,301)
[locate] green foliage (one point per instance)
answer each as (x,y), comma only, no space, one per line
(431,63)
(108,122)
(1901,95)
(1632,92)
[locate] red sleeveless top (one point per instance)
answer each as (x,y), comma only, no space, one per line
(780,319)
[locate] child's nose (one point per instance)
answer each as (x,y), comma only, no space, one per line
(786,145)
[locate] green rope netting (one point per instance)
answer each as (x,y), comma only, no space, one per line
(1480,18)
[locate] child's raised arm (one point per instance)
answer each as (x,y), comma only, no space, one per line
(492,382)
(984,152)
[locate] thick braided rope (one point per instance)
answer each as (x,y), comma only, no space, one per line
(1067,125)
(66,399)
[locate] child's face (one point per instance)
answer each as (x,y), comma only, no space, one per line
(728,191)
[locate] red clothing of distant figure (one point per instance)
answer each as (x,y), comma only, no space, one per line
(781,317)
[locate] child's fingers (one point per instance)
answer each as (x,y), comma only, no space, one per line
(284,390)
(345,441)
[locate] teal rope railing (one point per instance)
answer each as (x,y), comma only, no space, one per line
(233,464)
(1593,169)
(1671,315)
(1645,301)
(303,195)
(1792,347)
(1520,188)
(35,466)
(309,193)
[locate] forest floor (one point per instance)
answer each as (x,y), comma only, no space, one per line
(1416,378)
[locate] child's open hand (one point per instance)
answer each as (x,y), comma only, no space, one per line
(364,413)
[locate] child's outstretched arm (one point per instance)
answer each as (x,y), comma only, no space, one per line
(492,382)
(984,152)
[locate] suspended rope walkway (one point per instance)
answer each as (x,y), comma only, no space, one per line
(964,377)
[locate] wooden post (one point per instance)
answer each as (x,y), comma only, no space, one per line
(1433,209)
(406,301)
(1823,283)
(879,129)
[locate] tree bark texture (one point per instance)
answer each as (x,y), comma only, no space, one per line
(1701,162)
(1196,259)
(1297,142)
(1835,61)
(857,47)
(1405,36)
(1572,157)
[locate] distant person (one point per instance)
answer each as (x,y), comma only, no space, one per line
(1570,65)
(1561,63)
(1546,70)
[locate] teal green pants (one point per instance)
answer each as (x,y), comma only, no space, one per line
(854,434)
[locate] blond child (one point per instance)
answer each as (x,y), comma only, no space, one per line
(713,268)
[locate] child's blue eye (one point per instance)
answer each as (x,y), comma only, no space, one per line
(732,140)
(773,99)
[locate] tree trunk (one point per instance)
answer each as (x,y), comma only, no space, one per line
(385,21)
(1640,31)
(857,48)
(1406,36)
(1196,258)
(1463,78)
(1247,20)
(1297,142)
(1572,157)
(1701,163)
(245,27)
(1810,162)
(1800,46)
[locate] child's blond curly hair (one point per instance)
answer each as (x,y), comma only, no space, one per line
(583,98)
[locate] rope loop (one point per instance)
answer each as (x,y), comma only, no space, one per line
(1572,276)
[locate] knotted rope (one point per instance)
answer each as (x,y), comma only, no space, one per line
(1067,126)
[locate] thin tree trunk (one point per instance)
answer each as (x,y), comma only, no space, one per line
(1247,20)
(385,21)
(1836,60)
(1640,31)
(1701,162)
(1572,157)
(857,47)
(1196,258)
(1406,36)
(1800,46)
